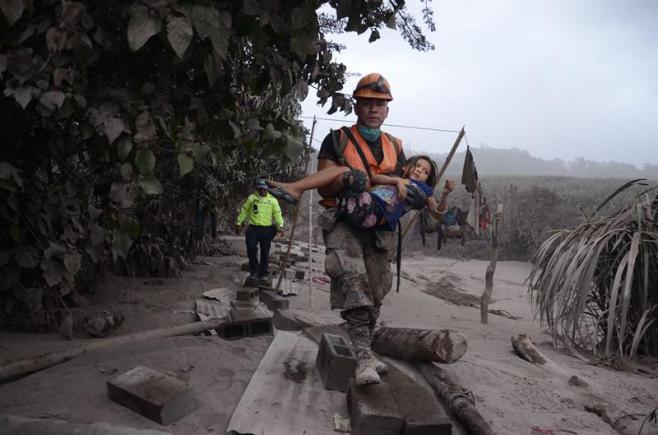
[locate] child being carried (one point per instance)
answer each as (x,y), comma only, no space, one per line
(381,206)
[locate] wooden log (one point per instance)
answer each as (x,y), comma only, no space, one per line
(444,346)
(621,421)
(459,400)
(24,367)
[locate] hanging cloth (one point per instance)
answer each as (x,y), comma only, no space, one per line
(469,172)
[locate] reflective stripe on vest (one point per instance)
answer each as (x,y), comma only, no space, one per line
(351,158)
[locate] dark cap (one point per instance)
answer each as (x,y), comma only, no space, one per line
(261,184)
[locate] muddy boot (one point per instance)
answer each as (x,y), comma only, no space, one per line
(365,373)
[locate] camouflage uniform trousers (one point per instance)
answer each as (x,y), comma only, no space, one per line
(358,263)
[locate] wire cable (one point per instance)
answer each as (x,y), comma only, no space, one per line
(389,125)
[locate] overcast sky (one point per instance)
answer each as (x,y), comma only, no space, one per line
(561,79)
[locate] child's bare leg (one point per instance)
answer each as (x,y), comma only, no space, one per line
(322,178)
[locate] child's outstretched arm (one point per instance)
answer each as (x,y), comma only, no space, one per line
(438,209)
(391,180)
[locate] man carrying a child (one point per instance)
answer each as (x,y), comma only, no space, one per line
(358,261)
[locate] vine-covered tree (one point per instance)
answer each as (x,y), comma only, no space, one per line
(123,121)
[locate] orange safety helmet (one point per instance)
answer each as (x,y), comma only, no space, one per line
(373,85)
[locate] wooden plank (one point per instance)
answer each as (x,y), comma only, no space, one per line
(285,394)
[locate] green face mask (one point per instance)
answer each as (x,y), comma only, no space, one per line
(369,134)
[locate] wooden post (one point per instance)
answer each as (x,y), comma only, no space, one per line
(25,367)
(284,263)
(460,400)
(491,268)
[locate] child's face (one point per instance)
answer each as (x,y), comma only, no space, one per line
(420,171)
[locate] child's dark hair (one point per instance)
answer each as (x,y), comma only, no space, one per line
(431,178)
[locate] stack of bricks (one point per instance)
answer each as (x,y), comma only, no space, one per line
(248,317)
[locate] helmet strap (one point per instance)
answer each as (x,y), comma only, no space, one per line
(369,134)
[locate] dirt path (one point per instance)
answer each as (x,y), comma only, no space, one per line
(512,394)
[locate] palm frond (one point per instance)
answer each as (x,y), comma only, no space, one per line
(597,284)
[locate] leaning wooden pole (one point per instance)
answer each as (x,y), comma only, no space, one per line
(414,214)
(491,268)
(25,367)
(284,263)
(460,400)
(444,346)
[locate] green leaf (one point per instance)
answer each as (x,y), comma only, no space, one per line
(53,271)
(72,262)
(179,34)
(12,10)
(210,23)
(127,171)
(145,162)
(185,164)
(151,186)
(374,35)
(142,26)
(270,134)
(54,250)
(250,7)
(391,22)
(112,127)
(26,257)
(7,171)
(293,147)
(52,99)
(124,146)
(211,66)
(24,95)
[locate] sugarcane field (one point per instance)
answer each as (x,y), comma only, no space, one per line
(328,217)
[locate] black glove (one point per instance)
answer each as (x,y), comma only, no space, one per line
(415,197)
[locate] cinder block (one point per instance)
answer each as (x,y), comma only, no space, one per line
(423,415)
(283,320)
(246,294)
(335,362)
(373,410)
(247,323)
(273,301)
(156,396)
(300,274)
(251,281)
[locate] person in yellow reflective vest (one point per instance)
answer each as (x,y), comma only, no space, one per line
(262,213)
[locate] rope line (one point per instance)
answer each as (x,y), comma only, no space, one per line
(389,125)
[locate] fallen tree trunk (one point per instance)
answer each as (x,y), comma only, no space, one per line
(25,367)
(622,422)
(444,346)
(459,400)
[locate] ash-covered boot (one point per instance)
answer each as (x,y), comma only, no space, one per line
(365,373)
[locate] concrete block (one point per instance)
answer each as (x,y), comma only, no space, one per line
(335,362)
(247,323)
(273,301)
(246,294)
(251,281)
(283,320)
(250,304)
(156,396)
(373,410)
(423,414)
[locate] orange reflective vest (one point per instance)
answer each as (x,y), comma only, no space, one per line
(349,156)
